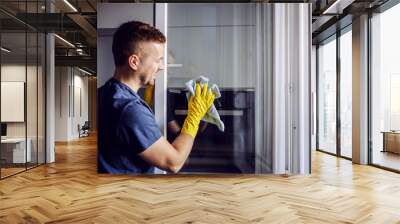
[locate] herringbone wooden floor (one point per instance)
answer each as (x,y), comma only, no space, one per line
(70,191)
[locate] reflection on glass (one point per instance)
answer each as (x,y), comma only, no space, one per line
(14,153)
(385,89)
(327,97)
(215,41)
(346,94)
(22,88)
(31,96)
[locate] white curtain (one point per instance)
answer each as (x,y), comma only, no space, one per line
(283,88)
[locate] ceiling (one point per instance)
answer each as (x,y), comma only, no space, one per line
(75,21)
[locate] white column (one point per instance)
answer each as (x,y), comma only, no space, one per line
(300,72)
(360,90)
(160,92)
(280,139)
(283,95)
(50,99)
(160,105)
(291,141)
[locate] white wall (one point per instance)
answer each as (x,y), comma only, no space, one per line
(61,103)
(105,59)
(79,117)
(70,84)
(219,45)
(112,15)
(33,126)
(109,17)
(16,72)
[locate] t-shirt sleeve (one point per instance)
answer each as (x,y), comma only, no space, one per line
(138,128)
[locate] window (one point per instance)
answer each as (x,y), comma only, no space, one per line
(385,89)
(346,93)
(326,136)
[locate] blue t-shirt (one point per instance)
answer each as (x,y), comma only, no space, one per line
(126,127)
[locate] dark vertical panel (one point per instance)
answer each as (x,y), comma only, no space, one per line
(26,86)
(154,14)
(60,86)
(317,97)
(338,67)
(73,91)
(369,106)
(1,165)
(37,90)
(47,5)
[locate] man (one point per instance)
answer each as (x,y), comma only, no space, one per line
(129,140)
(173,127)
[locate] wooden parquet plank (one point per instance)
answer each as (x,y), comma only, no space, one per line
(70,191)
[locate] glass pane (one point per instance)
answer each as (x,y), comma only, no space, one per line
(41,98)
(215,41)
(31,97)
(385,84)
(346,94)
(327,97)
(13,86)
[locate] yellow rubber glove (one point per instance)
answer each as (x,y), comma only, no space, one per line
(197,108)
(148,95)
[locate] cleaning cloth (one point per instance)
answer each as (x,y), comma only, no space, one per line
(212,115)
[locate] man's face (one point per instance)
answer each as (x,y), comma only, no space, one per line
(151,61)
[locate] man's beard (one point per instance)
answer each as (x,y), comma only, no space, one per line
(145,82)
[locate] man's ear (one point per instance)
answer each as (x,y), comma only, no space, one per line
(133,62)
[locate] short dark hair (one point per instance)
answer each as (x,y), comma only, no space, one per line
(127,37)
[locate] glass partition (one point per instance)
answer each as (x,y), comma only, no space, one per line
(22,89)
(31,97)
(216,41)
(346,93)
(14,153)
(385,89)
(326,135)
(41,97)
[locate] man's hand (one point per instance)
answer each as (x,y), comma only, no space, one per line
(197,108)
(171,157)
